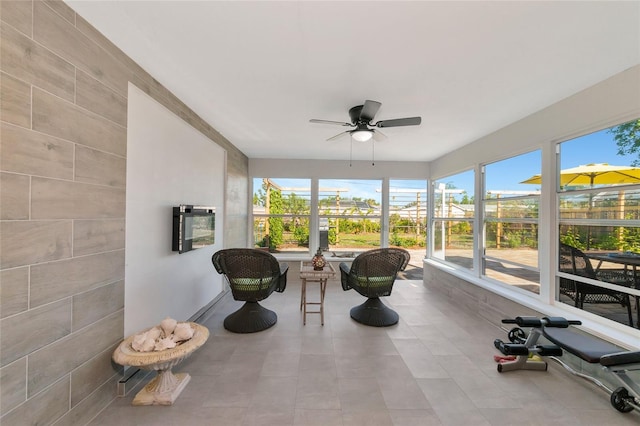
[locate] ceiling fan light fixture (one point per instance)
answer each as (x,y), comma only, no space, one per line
(362,117)
(362,135)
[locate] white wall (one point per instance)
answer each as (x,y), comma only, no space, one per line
(605,104)
(168,163)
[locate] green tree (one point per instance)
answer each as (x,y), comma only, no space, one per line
(466,199)
(301,233)
(295,204)
(627,137)
(259,197)
(327,201)
(394,221)
(276,225)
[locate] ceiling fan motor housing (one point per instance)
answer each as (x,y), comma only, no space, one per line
(354,114)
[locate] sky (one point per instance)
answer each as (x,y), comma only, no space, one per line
(598,147)
(361,188)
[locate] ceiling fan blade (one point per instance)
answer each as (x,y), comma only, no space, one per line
(411,121)
(369,110)
(339,123)
(339,135)
(378,136)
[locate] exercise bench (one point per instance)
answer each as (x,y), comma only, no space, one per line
(526,354)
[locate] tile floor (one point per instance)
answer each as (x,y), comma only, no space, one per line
(435,367)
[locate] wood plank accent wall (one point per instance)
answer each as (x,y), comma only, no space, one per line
(63,145)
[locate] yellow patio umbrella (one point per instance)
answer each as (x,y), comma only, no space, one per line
(594,174)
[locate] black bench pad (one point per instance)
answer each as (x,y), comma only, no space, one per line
(588,348)
(620,358)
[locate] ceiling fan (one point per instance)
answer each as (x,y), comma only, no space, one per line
(362,121)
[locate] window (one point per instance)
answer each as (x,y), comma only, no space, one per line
(599,215)
(281,213)
(407,213)
(453,217)
(349,212)
(510,207)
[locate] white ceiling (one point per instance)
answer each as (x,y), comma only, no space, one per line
(258,71)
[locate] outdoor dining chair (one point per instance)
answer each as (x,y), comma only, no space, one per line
(573,261)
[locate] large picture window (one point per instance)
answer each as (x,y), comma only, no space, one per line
(511,205)
(408,213)
(453,219)
(349,212)
(281,212)
(343,217)
(599,221)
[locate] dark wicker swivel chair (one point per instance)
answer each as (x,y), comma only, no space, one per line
(372,274)
(574,261)
(252,275)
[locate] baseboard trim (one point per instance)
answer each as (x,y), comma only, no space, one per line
(204,312)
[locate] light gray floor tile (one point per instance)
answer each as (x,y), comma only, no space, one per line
(314,417)
(230,391)
(414,418)
(435,367)
(360,394)
(281,364)
(402,394)
(318,393)
(270,416)
(274,392)
(367,418)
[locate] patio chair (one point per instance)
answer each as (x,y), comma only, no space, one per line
(252,276)
(372,274)
(574,261)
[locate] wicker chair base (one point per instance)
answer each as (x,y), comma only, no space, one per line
(250,318)
(374,313)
